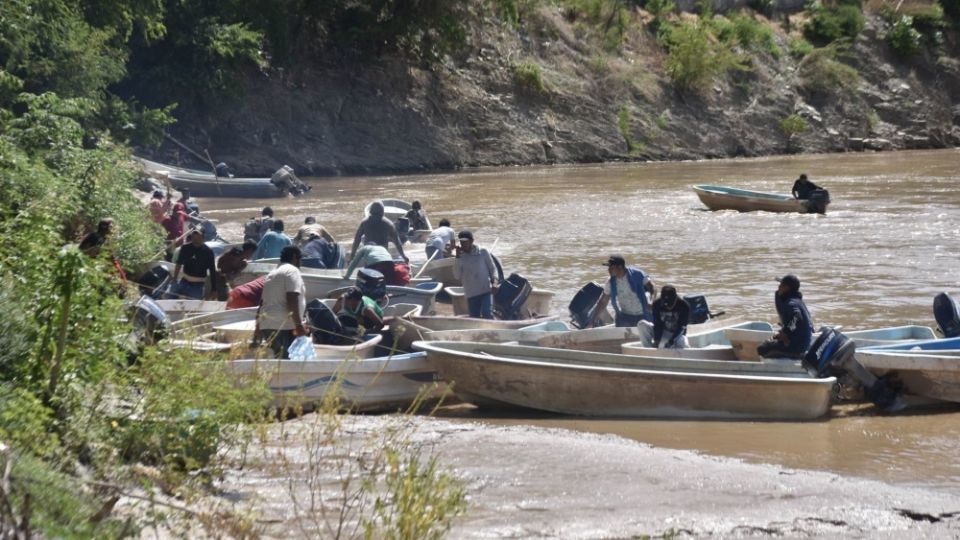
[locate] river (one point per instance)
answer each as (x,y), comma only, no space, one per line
(887,245)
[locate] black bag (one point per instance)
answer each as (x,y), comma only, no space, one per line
(699,310)
(154,282)
(510,296)
(327,329)
(584,304)
(372,283)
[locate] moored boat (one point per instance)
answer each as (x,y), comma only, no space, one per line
(536,304)
(246,188)
(744,200)
(580,383)
(746,340)
(383,383)
(414,328)
(922,373)
(710,344)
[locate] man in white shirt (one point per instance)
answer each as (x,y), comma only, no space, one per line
(441,240)
(280,316)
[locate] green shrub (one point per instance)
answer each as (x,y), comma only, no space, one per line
(794,125)
(527,75)
(829,24)
(695,57)
(821,72)
(903,38)
(800,48)
(744,30)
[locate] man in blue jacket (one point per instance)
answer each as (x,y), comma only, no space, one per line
(796,325)
(626,290)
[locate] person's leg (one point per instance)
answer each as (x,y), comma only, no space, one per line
(474,305)
(772,348)
(486,306)
(193,290)
(280,341)
(430,250)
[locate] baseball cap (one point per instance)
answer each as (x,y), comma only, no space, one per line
(668,292)
(465,235)
(615,260)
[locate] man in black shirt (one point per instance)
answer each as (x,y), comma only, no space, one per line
(196,259)
(803,187)
(671,314)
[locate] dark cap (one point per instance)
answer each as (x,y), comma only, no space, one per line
(615,260)
(668,292)
(791,280)
(465,235)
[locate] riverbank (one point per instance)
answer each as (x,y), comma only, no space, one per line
(525,481)
(546,90)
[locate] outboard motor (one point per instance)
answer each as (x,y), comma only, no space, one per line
(699,310)
(818,201)
(150,323)
(327,329)
(584,304)
(154,282)
(511,295)
(947,314)
(832,354)
(373,284)
(286,180)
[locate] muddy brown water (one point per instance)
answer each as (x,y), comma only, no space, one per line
(888,244)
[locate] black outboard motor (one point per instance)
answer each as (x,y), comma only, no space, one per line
(154,282)
(947,314)
(511,295)
(584,304)
(286,180)
(372,283)
(699,310)
(832,354)
(818,201)
(327,329)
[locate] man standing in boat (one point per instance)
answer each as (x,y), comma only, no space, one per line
(280,316)
(378,229)
(626,290)
(796,325)
(475,269)
(196,259)
(671,314)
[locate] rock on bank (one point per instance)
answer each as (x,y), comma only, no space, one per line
(477,109)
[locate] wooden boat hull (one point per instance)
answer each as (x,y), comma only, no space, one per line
(551,380)
(742,200)
(386,383)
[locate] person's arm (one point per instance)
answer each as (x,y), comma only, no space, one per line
(491,270)
(354,262)
(683,319)
(338,305)
(327,236)
(293,308)
(212,270)
(601,306)
(356,240)
(649,287)
(369,315)
(397,242)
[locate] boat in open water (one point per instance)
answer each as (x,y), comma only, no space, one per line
(745,200)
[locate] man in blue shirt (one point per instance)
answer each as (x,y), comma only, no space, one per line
(626,290)
(273,242)
(796,325)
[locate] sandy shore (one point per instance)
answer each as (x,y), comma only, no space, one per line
(528,482)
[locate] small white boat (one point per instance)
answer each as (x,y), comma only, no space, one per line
(711,344)
(537,304)
(744,200)
(414,328)
(745,340)
(528,335)
(581,383)
(923,373)
(386,383)
(181,309)
(393,209)
(242,332)
(442,270)
(199,325)
(210,186)
(610,339)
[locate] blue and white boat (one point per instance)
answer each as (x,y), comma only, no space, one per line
(744,200)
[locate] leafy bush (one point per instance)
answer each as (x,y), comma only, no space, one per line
(903,38)
(829,24)
(695,57)
(742,29)
(822,73)
(527,75)
(794,125)
(799,48)
(610,18)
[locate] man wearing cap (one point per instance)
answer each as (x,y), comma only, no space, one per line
(196,259)
(378,229)
(626,290)
(671,314)
(280,316)
(475,269)
(796,325)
